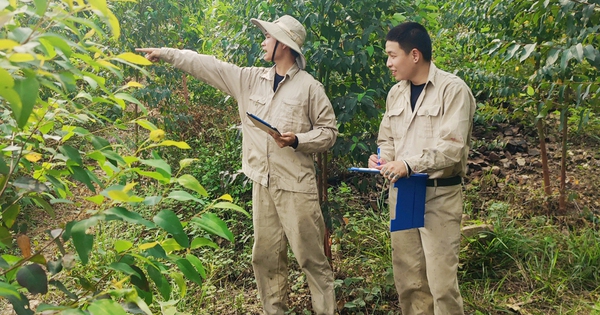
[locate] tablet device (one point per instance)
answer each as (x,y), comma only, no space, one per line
(261,124)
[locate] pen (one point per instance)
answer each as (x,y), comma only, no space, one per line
(378,156)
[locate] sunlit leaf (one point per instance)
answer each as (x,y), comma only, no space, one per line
(186,162)
(134,58)
(122,245)
(179,144)
(180,281)
(201,242)
(231,206)
(7,44)
(21,57)
(190,182)
(146,124)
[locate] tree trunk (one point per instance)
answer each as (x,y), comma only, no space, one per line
(562,207)
(322,188)
(544,154)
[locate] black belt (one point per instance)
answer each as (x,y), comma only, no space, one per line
(450,181)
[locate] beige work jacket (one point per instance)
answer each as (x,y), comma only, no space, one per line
(435,137)
(299,105)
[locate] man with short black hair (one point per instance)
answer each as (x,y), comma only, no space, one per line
(285,203)
(426,128)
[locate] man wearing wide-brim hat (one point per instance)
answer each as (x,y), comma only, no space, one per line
(284,195)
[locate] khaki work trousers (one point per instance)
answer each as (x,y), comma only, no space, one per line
(281,217)
(425,260)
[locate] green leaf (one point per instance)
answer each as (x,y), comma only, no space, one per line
(20,304)
(33,278)
(188,271)
(190,182)
(530,90)
(54,267)
(159,164)
(180,195)
(146,124)
(9,215)
(213,224)
(83,242)
(140,279)
(4,168)
(5,236)
(71,153)
(567,56)
(171,143)
(79,174)
(129,216)
(122,245)
(590,53)
(106,307)
(45,205)
(160,281)
(231,206)
(113,21)
(171,245)
(28,90)
(59,285)
(7,290)
(122,267)
(202,241)
(528,49)
(186,162)
(99,5)
(552,56)
(197,264)
(178,277)
(134,58)
(168,220)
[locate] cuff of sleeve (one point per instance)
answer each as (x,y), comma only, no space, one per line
(295,144)
(166,54)
(408,169)
(302,142)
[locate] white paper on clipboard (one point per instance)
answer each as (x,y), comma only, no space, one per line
(261,124)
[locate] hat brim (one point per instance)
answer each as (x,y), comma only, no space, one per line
(276,32)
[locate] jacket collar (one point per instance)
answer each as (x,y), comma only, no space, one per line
(270,75)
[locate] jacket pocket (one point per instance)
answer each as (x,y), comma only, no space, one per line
(257,106)
(428,118)
(294,116)
(397,122)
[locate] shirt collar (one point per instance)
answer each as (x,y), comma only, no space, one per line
(270,75)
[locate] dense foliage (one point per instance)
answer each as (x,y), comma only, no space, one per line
(92,138)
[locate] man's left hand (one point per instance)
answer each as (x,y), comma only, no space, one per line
(394,170)
(286,139)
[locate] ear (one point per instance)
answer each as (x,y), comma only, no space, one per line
(415,54)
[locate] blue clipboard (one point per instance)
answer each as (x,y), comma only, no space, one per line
(261,124)
(410,204)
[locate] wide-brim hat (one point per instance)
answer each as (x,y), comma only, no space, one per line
(288,31)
